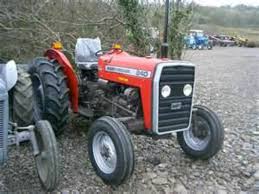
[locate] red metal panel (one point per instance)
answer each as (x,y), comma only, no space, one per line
(124,60)
(72,81)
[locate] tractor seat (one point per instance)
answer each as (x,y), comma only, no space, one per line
(85,50)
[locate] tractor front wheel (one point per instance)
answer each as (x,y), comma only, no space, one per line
(110,150)
(205,136)
(194,47)
(210,46)
(51,94)
(200,47)
(47,161)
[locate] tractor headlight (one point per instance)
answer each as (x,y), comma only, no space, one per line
(166,91)
(187,90)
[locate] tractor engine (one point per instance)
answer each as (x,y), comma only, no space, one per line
(100,97)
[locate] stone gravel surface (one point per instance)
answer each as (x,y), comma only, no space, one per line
(227,81)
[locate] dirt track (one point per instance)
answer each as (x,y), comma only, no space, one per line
(227,82)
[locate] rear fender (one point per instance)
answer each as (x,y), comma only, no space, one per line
(72,81)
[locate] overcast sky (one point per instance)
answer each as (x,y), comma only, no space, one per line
(227,2)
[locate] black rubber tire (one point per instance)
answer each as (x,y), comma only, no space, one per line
(123,146)
(200,47)
(54,98)
(194,47)
(217,135)
(48,165)
(210,46)
(22,95)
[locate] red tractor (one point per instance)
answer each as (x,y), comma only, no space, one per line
(123,94)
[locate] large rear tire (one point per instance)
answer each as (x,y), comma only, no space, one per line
(51,94)
(22,95)
(205,137)
(111,150)
(47,161)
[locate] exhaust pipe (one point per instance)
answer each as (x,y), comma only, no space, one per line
(164,46)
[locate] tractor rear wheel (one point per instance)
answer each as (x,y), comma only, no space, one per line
(200,47)
(47,161)
(110,150)
(51,94)
(21,101)
(205,137)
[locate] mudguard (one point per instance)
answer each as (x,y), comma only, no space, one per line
(72,81)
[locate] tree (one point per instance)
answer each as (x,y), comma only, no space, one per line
(181,16)
(137,34)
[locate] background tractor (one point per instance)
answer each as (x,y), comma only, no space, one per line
(222,40)
(16,117)
(123,94)
(240,41)
(198,40)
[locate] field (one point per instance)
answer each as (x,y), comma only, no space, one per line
(227,81)
(252,34)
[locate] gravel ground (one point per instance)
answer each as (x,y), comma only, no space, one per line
(227,82)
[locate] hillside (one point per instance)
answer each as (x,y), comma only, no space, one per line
(242,20)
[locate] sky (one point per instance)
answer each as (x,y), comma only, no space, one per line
(227,2)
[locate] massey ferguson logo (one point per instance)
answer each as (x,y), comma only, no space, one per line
(128,71)
(176,106)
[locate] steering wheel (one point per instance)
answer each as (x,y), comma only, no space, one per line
(101,52)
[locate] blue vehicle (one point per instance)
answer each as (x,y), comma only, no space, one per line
(197,39)
(190,42)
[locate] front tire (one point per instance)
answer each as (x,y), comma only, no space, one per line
(205,136)
(200,47)
(110,150)
(194,47)
(47,161)
(51,94)
(210,46)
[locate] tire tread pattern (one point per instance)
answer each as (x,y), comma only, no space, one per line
(56,93)
(217,136)
(22,95)
(121,137)
(53,175)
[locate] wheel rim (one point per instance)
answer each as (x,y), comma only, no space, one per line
(199,134)
(41,158)
(104,152)
(38,96)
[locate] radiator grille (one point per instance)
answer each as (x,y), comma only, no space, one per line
(2,124)
(169,118)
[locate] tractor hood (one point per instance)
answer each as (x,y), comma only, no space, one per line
(125,64)
(143,73)
(202,38)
